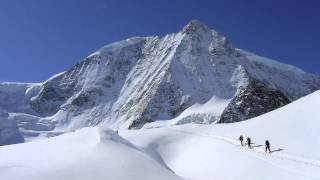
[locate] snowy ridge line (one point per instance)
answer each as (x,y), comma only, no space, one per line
(281,156)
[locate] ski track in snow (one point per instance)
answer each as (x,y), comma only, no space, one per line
(280,156)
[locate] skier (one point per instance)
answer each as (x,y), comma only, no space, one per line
(249,142)
(241,140)
(267,144)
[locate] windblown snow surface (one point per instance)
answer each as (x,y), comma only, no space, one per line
(189,151)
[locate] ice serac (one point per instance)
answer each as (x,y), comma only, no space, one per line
(9,133)
(144,79)
(15,97)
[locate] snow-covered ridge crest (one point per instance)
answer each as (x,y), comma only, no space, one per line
(130,83)
(117,46)
(270,62)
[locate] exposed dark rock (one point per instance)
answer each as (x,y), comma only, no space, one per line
(138,123)
(254,100)
(87,98)
(50,98)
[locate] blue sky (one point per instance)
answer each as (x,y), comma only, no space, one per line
(39,38)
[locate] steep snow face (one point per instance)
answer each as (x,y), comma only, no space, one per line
(281,76)
(139,80)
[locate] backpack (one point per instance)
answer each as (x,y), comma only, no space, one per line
(267,143)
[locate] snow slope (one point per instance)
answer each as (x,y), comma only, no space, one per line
(90,153)
(190,151)
(213,152)
(198,113)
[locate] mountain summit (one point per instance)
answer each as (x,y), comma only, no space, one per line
(148,81)
(195,26)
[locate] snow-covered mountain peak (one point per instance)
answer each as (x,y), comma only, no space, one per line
(195,26)
(197,31)
(140,80)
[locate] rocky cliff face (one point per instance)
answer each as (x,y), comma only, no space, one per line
(144,79)
(253,100)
